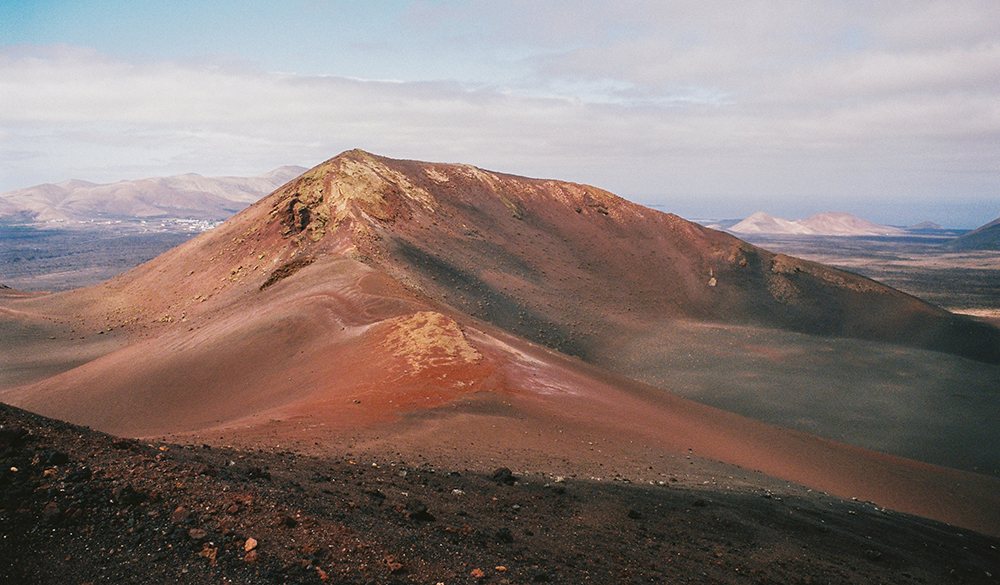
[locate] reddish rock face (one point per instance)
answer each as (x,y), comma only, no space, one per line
(566,265)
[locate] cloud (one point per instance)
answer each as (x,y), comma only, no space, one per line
(732,104)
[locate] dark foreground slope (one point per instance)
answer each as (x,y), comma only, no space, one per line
(78,506)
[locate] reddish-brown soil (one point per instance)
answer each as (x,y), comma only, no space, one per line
(416,312)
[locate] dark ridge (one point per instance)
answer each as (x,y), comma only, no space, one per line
(986,237)
(79,506)
(480,300)
(286,270)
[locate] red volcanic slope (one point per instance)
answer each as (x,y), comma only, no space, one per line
(513,251)
(371,289)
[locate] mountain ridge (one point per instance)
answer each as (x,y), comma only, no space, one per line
(429,299)
(985,237)
(830,223)
(187,196)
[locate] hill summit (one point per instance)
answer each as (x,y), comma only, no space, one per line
(566,264)
(822,224)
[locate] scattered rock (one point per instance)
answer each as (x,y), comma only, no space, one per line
(477,574)
(53,458)
(180,514)
(197,534)
(12,437)
(51,514)
(79,475)
(257,473)
(505,535)
(377,496)
(417,511)
(504,476)
(251,557)
(635,514)
(250,544)
(209,552)
(395,567)
(124,444)
(129,496)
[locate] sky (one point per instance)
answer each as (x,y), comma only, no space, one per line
(712,109)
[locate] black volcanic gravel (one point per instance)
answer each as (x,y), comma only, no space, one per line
(77,506)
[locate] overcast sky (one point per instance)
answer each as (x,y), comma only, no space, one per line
(710,109)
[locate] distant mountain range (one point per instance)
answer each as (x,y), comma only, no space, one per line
(822,224)
(189,196)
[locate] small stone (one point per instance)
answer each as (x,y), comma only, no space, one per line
(505,535)
(125,444)
(396,568)
(54,458)
(233,509)
(477,574)
(251,557)
(197,534)
(417,511)
(209,552)
(179,515)
(250,544)
(12,437)
(504,476)
(79,475)
(500,569)
(51,514)
(635,514)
